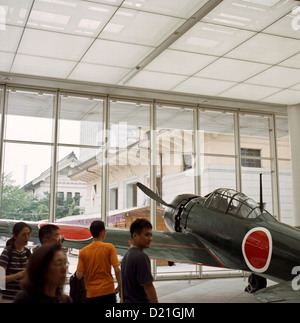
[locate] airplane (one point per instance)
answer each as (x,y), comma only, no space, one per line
(225,229)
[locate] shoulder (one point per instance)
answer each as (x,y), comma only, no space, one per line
(109,246)
(4,257)
(136,254)
(85,249)
(5,252)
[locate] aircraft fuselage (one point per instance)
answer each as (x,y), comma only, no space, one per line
(261,245)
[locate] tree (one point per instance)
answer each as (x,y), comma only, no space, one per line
(18,204)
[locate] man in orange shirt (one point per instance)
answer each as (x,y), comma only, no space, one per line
(94,264)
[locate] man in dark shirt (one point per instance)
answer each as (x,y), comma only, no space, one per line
(137,280)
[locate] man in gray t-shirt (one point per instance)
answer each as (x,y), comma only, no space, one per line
(137,280)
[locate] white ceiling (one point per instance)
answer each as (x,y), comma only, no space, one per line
(241,49)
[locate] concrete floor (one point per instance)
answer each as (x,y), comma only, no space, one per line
(216,290)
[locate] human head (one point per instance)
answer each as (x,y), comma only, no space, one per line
(21,234)
(141,233)
(138,225)
(96,228)
(47,265)
(49,233)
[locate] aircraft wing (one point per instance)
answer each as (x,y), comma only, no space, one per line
(282,292)
(169,246)
(74,236)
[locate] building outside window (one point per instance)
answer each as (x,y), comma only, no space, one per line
(247,162)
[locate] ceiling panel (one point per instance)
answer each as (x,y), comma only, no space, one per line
(73,16)
(249,14)
(98,73)
(249,92)
(277,76)
(6,60)
(42,66)
(107,52)
(288,26)
(53,45)
(203,86)
(292,62)
(211,39)
(15,12)
(139,27)
(232,70)
(267,49)
(153,80)
(175,8)
(284,97)
(10,37)
(111,2)
(296,87)
(179,62)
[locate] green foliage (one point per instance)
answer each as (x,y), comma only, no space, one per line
(18,204)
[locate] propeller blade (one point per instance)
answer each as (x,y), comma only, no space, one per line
(151,194)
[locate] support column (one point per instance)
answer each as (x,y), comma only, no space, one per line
(294,130)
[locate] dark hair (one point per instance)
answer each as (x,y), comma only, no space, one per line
(96,228)
(138,225)
(37,267)
(45,231)
(18,227)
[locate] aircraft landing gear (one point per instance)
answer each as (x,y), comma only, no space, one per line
(255,283)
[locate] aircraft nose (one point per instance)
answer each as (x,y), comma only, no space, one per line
(173,213)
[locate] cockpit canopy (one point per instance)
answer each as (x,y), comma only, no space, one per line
(234,203)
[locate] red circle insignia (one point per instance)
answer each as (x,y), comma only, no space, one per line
(257,249)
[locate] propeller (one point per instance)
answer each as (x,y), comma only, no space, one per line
(152,195)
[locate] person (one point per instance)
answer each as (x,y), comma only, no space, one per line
(45,276)
(49,233)
(13,259)
(94,264)
(137,280)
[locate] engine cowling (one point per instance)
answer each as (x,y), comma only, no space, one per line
(173,213)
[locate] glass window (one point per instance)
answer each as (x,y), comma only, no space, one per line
(255,135)
(79,158)
(217,132)
(81,121)
(217,144)
(29,116)
(175,150)
(247,162)
(284,171)
(28,142)
(128,161)
(26,184)
(113,198)
(1,110)
(251,187)
(217,172)
(255,144)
